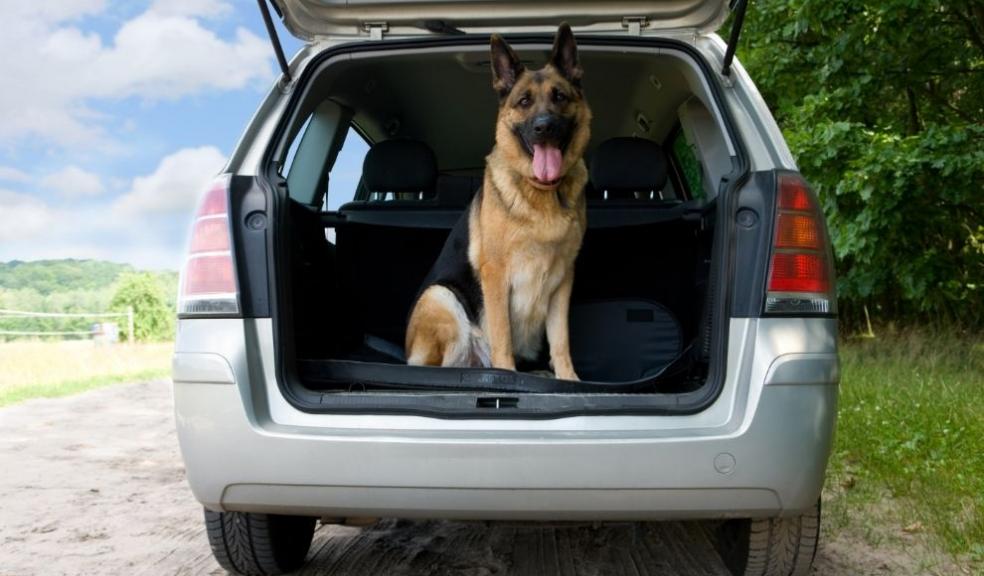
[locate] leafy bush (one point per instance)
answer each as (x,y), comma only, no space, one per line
(153,319)
(882,102)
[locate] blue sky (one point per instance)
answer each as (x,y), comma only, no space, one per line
(114,116)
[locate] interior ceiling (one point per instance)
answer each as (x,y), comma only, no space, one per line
(446,99)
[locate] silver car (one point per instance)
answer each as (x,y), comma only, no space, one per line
(703,318)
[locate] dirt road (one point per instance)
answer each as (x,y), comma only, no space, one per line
(94,484)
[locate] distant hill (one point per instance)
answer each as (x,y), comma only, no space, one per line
(66,285)
(50,276)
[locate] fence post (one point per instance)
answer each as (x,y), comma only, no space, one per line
(129,324)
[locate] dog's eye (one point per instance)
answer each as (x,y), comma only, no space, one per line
(559,97)
(525,101)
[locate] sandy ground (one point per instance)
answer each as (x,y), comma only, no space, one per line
(94,484)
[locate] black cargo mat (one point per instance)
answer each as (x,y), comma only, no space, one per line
(355,375)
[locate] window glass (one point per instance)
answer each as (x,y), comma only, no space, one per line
(343,181)
(292,151)
(686,158)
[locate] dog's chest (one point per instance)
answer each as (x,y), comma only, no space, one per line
(535,274)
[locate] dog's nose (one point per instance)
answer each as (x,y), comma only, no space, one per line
(543,125)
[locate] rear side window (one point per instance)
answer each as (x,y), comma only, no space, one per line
(292,151)
(346,174)
(685,157)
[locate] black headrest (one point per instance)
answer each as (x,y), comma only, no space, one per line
(628,165)
(399,166)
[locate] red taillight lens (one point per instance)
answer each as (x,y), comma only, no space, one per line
(210,234)
(209,275)
(215,200)
(208,278)
(801,278)
(794,194)
(792,272)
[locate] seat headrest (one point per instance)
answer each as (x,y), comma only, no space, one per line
(623,165)
(400,166)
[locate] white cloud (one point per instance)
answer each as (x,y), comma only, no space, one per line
(193,8)
(54,71)
(146,226)
(73,182)
(53,10)
(22,217)
(174,186)
(9,174)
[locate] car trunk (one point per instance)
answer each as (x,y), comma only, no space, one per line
(646,321)
(351,299)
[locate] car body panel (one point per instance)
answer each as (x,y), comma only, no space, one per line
(311,19)
(766,457)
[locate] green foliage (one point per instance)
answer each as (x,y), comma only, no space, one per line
(74,286)
(153,319)
(883,105)
(50,276)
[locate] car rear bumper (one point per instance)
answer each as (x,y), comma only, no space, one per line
(766,457)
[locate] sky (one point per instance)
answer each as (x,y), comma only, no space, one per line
(115,115)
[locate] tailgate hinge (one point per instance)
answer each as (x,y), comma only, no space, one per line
(738,7)
(635,24)
(376,30)
(278,50)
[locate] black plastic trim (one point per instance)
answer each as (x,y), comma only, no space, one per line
(529,405)
(599,216)
(753,247)
(248,206)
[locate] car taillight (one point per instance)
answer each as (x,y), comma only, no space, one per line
(208,278)
(801,273)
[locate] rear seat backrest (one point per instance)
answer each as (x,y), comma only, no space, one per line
(400,167)
(628,169)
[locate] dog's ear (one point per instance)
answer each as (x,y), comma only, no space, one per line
(564,57)
(506,67)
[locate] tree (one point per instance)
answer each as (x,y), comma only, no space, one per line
(153,320)
(882,102)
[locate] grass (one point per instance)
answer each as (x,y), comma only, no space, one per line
(909,452)
(50,369)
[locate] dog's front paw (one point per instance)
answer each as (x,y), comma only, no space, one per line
(504,363)
(568,374)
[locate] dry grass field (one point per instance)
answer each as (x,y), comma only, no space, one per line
(48,369)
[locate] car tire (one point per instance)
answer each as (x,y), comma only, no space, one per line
(258,544)
(782,546)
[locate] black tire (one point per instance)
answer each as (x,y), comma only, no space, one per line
(770,546)
(258,544)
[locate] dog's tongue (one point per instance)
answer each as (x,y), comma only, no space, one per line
(546,162)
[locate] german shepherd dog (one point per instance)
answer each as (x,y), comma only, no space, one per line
(505,274)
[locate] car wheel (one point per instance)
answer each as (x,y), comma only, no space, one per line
(770,546)
(258,544)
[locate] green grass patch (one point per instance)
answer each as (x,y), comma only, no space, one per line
(911,433)
(15,394)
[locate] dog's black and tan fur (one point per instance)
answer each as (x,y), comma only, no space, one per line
(506,272)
